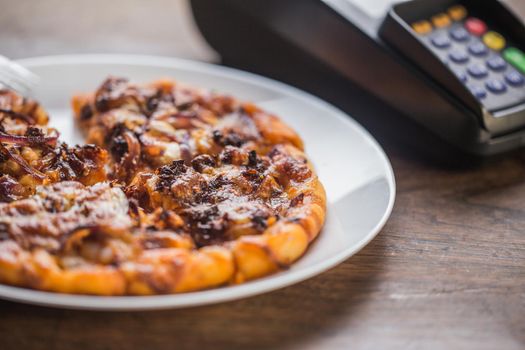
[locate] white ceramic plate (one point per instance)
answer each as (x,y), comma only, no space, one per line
(354,170)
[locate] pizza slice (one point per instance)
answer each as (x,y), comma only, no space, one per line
(31,155)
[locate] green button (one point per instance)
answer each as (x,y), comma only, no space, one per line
(515,57)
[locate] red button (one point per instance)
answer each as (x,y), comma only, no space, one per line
(475,26)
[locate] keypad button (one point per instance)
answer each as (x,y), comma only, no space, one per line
(477,70)
(496,86)
(422,27)
(475,26)
(440,41)
(496,63)
(459,34)
(458,56)
(515,57)
(477,49)
(457,12)
(514,78)
(494,41)
(478,91)
(441,20)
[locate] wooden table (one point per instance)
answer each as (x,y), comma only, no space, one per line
(446,272)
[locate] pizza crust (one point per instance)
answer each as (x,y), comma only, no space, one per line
(282,244)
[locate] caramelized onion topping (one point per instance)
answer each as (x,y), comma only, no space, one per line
(20,161)
(132,156)
(27,140)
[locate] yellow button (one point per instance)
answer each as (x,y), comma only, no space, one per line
(457,12)
(422,27)
(494,41)
(441,20)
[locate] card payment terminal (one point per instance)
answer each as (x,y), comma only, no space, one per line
(456,67)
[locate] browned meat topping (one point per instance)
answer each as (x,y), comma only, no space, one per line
(113,93)
(203,162)
(75,163)
(10,189)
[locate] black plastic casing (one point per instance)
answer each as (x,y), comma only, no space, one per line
(340,42)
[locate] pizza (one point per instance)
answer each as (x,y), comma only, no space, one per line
(177,189)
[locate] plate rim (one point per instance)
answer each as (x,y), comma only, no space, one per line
(217,295)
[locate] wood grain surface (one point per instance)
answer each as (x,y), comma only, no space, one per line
(446,272)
